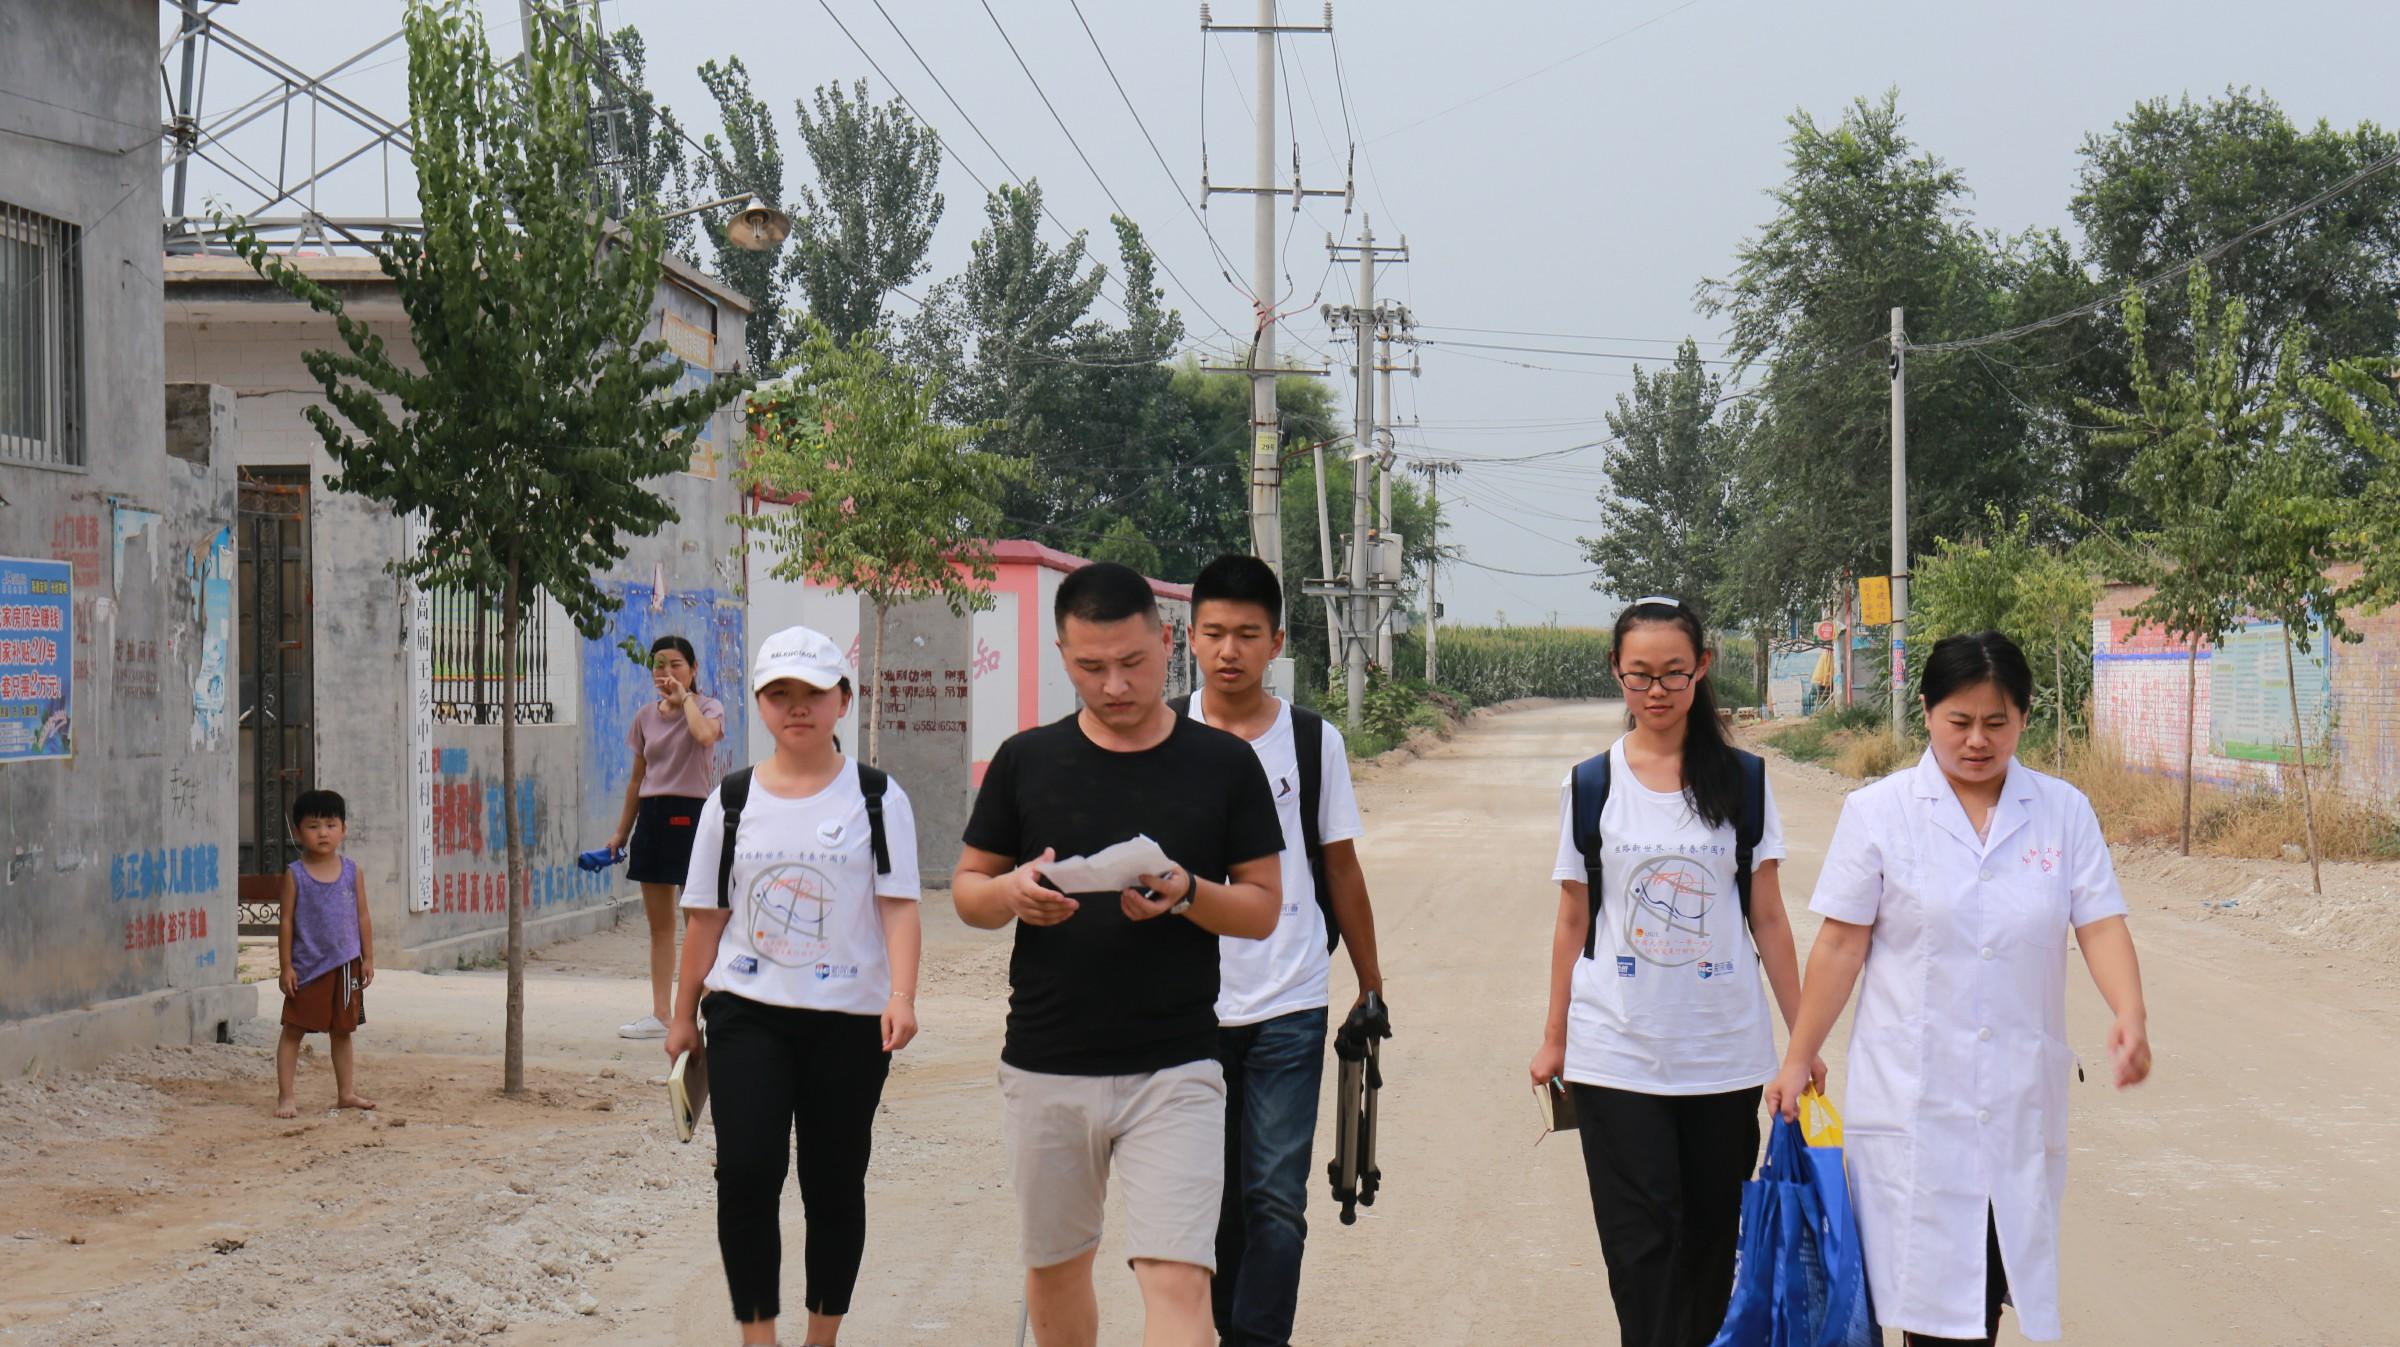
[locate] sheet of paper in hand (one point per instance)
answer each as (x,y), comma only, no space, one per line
(1110,868)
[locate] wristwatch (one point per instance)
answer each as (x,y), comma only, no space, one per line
(1191,890)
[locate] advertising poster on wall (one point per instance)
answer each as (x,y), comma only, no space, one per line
(37,645)
(2250,696)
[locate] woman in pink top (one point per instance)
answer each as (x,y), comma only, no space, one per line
(673,740)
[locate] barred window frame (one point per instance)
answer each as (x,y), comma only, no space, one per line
(42,384)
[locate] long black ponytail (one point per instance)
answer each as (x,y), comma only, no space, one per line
(1712,773)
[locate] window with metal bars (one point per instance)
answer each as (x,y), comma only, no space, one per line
(41,338)
(468,671)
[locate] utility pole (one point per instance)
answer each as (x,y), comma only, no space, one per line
(1362,595)
(1394,324)
(1899,525)
(1266,463)
(1266,433)
(1433,470)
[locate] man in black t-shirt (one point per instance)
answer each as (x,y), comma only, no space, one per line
(1110,1057)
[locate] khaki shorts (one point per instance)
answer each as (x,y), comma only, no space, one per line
(1163,1132)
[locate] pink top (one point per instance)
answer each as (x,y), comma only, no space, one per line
(673,762)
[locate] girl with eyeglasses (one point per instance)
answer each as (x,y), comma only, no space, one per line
(1658,1017)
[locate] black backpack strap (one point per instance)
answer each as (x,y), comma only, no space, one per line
(1182,704)
(872,783)
(1750,825)
(1587,797)
(732,794)
(1308,744)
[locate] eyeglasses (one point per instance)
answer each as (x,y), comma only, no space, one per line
(1642,682)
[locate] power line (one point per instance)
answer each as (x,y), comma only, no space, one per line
(1534,575)
(1089,167)
(938,137)
(2381,165)
(1570,336)
(1562,350)
(1226,263)
(1536,74)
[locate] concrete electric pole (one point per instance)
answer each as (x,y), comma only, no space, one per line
(1433,469)
(1394,326)
(1266,435)
(1900,565)
(1362,594)
(1266,466)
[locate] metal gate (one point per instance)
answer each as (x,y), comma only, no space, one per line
(278,724)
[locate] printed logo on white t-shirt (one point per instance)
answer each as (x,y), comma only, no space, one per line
(791,910)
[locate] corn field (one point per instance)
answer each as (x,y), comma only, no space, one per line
(1498,664)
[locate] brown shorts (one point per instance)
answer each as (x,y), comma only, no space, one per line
(332,1003)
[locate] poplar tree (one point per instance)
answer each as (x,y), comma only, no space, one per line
(522,446)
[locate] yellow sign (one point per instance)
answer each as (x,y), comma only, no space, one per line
(1874,600)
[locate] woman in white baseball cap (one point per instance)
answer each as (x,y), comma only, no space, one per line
(802,953)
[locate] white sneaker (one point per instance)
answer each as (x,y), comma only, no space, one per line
(645,1027)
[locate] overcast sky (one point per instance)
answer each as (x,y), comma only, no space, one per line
(1556,167)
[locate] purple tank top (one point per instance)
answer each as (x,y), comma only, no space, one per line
(324,921)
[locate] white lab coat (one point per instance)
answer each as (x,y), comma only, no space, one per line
(1958,1063)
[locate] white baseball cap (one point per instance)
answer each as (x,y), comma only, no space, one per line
(802,653)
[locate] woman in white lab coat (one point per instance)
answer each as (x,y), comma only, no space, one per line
(1954,885)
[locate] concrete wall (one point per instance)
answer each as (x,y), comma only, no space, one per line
(2349,699)
(427,808)
(117,896)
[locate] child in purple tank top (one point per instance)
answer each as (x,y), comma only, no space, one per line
(327,946)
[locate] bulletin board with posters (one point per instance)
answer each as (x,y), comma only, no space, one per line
(37,649)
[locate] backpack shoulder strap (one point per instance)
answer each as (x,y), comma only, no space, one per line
(1749,825)
(1182,704)
(732,793)
(872,783)
(1308,745)
(1587,798)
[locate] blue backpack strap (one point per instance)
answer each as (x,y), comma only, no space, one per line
(1586,799)
(872,783)
(732,794)
(1749,825)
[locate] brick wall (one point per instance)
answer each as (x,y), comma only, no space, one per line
(2350,701)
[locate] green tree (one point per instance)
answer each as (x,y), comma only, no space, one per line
(2173,179)
(748,162)
(893,504)
(2184,441)
(1865,221)
(651,169)
(522,446)
(2005,579)
(2255,509)
(1125,545)
(1667,519)
(861,231)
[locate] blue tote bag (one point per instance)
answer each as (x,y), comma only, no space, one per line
(1799,1277)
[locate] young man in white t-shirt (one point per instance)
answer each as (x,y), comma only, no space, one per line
(1273,994)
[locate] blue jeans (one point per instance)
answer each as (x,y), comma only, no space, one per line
(1273,1072)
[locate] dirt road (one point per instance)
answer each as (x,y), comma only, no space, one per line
(2248,1196)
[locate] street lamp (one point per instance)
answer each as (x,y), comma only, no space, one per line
(755,227)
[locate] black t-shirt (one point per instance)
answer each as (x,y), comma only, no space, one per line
(1097,994)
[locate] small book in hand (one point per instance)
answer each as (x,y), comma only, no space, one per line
(1556,1104)
(687,1092)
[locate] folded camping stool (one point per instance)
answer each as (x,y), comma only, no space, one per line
(1357,1045)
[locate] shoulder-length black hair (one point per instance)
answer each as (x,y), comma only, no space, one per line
(677,644)
(1712,773)
(1959,663)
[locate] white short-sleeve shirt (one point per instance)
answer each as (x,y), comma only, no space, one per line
(1289,970)
(1672,1000)
(805,930)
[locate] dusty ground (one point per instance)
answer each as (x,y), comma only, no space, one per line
(2247,1197)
